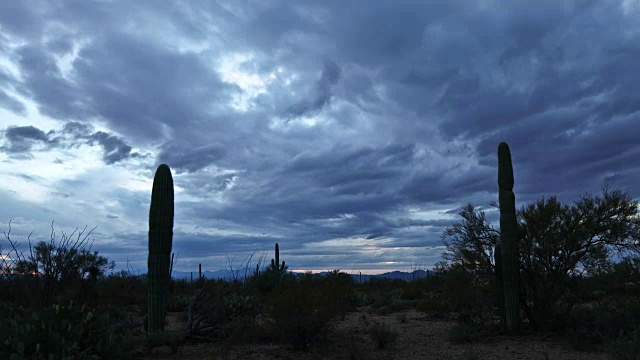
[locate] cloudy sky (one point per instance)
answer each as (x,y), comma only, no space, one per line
(350,132)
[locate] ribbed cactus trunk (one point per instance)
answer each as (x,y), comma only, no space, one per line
(497,255)
(509,249)
(160,242)
(277,258)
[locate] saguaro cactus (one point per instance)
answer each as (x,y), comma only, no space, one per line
(160,242)
(275,264)
(509,249)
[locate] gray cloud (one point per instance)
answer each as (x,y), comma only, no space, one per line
(357,119)
(114,148)
(322,92)
(183,156)
(11,103)
(22,139)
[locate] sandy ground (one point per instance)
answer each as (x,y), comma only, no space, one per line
(419,337)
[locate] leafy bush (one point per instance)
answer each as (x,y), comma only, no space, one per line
(59,332)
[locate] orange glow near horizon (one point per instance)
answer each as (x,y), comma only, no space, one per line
(351,272)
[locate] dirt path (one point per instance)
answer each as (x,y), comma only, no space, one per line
(418,338)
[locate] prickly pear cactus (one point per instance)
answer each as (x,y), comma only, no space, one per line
(509,248)
(160,242)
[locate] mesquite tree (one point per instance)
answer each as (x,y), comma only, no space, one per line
(556,241)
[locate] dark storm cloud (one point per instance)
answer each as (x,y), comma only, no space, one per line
(132,83)
(145,85)
(340,168)
(77,129)
(20,133)
(115,149)
(321,97)
(22,139)
(44,83)
(11,103)
(407,104)
(183,156)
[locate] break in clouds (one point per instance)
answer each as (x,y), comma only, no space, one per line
(351,134)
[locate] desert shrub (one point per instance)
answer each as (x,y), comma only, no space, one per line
(353,346)
(267,281)
(122,288)
(402,318)
(458,290)
(60,331)
(626,347)
(412,291)
(61,266)
(467,330)
(184,286)
(361,298)
(179,302)
(222,310)
(593,324)
(433,304)
(338,278)
(172,339)
(381,285)
(401,305)
(302,314)
(381,299)
(382,335)
(433,282)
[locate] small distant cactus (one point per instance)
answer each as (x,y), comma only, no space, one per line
(160,242)
(275,263)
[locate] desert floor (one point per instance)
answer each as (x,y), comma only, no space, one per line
(419,337)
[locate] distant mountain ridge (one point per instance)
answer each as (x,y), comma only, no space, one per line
(227,275)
